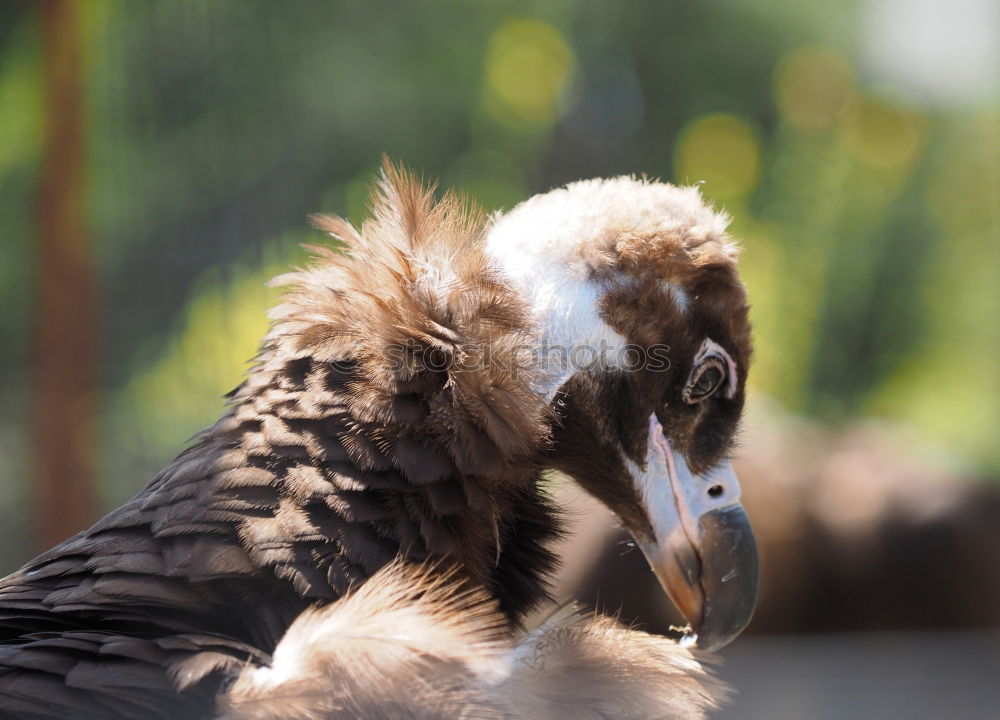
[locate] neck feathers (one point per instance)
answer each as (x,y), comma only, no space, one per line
(392,408)
(432,335)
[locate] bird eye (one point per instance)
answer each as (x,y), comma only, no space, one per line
(704,381)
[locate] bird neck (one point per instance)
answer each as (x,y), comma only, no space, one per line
(324,489)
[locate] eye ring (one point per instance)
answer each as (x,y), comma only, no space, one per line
(705,380)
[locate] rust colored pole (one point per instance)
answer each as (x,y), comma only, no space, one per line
(65,380)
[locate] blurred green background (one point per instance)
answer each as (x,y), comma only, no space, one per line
(158,161)
(856,144)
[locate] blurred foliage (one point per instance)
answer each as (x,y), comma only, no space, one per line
(870,217)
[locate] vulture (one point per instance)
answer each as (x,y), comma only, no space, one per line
(366,529)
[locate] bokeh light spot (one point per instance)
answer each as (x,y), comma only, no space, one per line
(528,65)
(721,150)
(812,87)
(882,134)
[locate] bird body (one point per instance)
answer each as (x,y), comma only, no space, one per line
(402,410)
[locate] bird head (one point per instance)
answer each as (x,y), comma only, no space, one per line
(643,356)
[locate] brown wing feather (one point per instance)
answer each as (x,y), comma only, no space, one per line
(108,676)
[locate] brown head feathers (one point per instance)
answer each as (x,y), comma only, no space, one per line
(434,335)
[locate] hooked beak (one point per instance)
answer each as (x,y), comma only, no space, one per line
(702,549)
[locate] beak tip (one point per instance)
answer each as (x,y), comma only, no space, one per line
(712,639)
(730,577)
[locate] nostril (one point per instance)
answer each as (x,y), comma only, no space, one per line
(715,491)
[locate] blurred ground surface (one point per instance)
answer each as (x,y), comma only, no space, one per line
(911,676)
